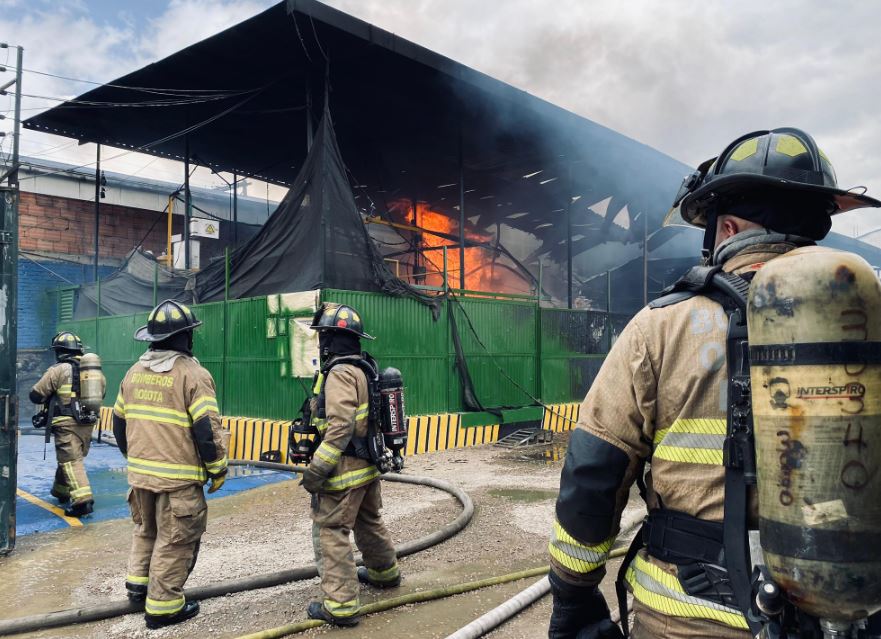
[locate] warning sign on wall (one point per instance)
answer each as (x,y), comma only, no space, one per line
(201,227)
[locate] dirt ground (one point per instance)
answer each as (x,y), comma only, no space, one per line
(268,529)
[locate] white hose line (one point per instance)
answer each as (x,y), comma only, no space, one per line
(498,616)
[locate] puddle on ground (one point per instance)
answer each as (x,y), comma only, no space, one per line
(523,495)
(543,454)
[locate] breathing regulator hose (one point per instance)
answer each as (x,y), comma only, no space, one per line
(114,609)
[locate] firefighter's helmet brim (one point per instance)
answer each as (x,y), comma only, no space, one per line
(143,334)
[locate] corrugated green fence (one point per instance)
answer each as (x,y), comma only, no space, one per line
(514,350)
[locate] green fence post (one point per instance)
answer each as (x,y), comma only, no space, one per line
(223,366)
(539,391)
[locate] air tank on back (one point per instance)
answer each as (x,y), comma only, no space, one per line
(815,365)
(92,382)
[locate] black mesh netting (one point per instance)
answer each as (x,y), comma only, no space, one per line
(315,239)
(131,288)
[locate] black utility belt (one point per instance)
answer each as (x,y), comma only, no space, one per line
(696,548)
(357,448)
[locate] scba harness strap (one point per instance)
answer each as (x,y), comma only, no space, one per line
(372,447)
(712,558)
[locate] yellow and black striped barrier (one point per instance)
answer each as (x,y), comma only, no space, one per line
(251,437)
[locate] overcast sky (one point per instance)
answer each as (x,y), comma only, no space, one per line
(683,76)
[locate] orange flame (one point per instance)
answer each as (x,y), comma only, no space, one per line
(481,273)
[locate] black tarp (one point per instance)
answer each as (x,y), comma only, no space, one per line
(131,288)
(314,239)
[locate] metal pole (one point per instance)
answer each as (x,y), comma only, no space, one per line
(155,284)
(446,282)
(235,211)
(97,204)
(461,214)
(169,252)
(16,126)
(9,203)
(188,203)
(608,292)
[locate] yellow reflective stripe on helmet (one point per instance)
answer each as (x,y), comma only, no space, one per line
(217,466)
(362,411)
(319,384)
(156,607)
(166,470)
(157,414)
(351,479)
(135,579)
(692,441)
(202,405)
(575,556)
(662,591)
(328,453)
(790,145)
(345,609)
(745,150)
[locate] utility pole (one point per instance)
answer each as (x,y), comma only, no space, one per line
(9,203)
(461,213)
(235,210)
(188,203)
(97,208)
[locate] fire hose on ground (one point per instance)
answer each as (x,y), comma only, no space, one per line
(117,608)
(476,628)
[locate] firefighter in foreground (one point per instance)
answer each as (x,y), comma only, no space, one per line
(167,424)
(661,398)
(341,477)
(70,420)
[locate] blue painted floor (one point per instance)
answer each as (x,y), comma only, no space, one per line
(107,476)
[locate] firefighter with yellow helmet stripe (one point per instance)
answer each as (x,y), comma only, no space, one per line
(657,411)
(341,477)
(167,424)
(72,439)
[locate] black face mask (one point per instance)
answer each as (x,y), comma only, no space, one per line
(331,343)
(182,343)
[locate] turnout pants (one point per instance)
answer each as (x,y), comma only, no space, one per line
(165,544)
(71,447)
(334,517)
(650,624)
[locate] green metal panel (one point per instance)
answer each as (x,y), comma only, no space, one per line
(548,353)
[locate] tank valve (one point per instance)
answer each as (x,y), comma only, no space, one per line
(769,599)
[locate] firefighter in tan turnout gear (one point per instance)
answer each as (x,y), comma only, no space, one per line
(660,403)
(72,439)
(167,424)
(342,479)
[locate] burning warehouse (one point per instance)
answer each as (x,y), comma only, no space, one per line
(436,154)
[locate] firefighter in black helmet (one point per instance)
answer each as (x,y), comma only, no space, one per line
(344,485)
(768,193)
(167,424)
(72,439)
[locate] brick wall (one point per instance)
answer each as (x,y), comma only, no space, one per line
(61,225)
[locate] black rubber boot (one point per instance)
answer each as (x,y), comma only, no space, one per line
(364,578)
(316,610)
(136,592)
(62,498)
(81,509)
(190,610)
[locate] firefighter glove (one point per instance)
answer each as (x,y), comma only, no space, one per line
(312,480)
(216,482)
(579,613)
